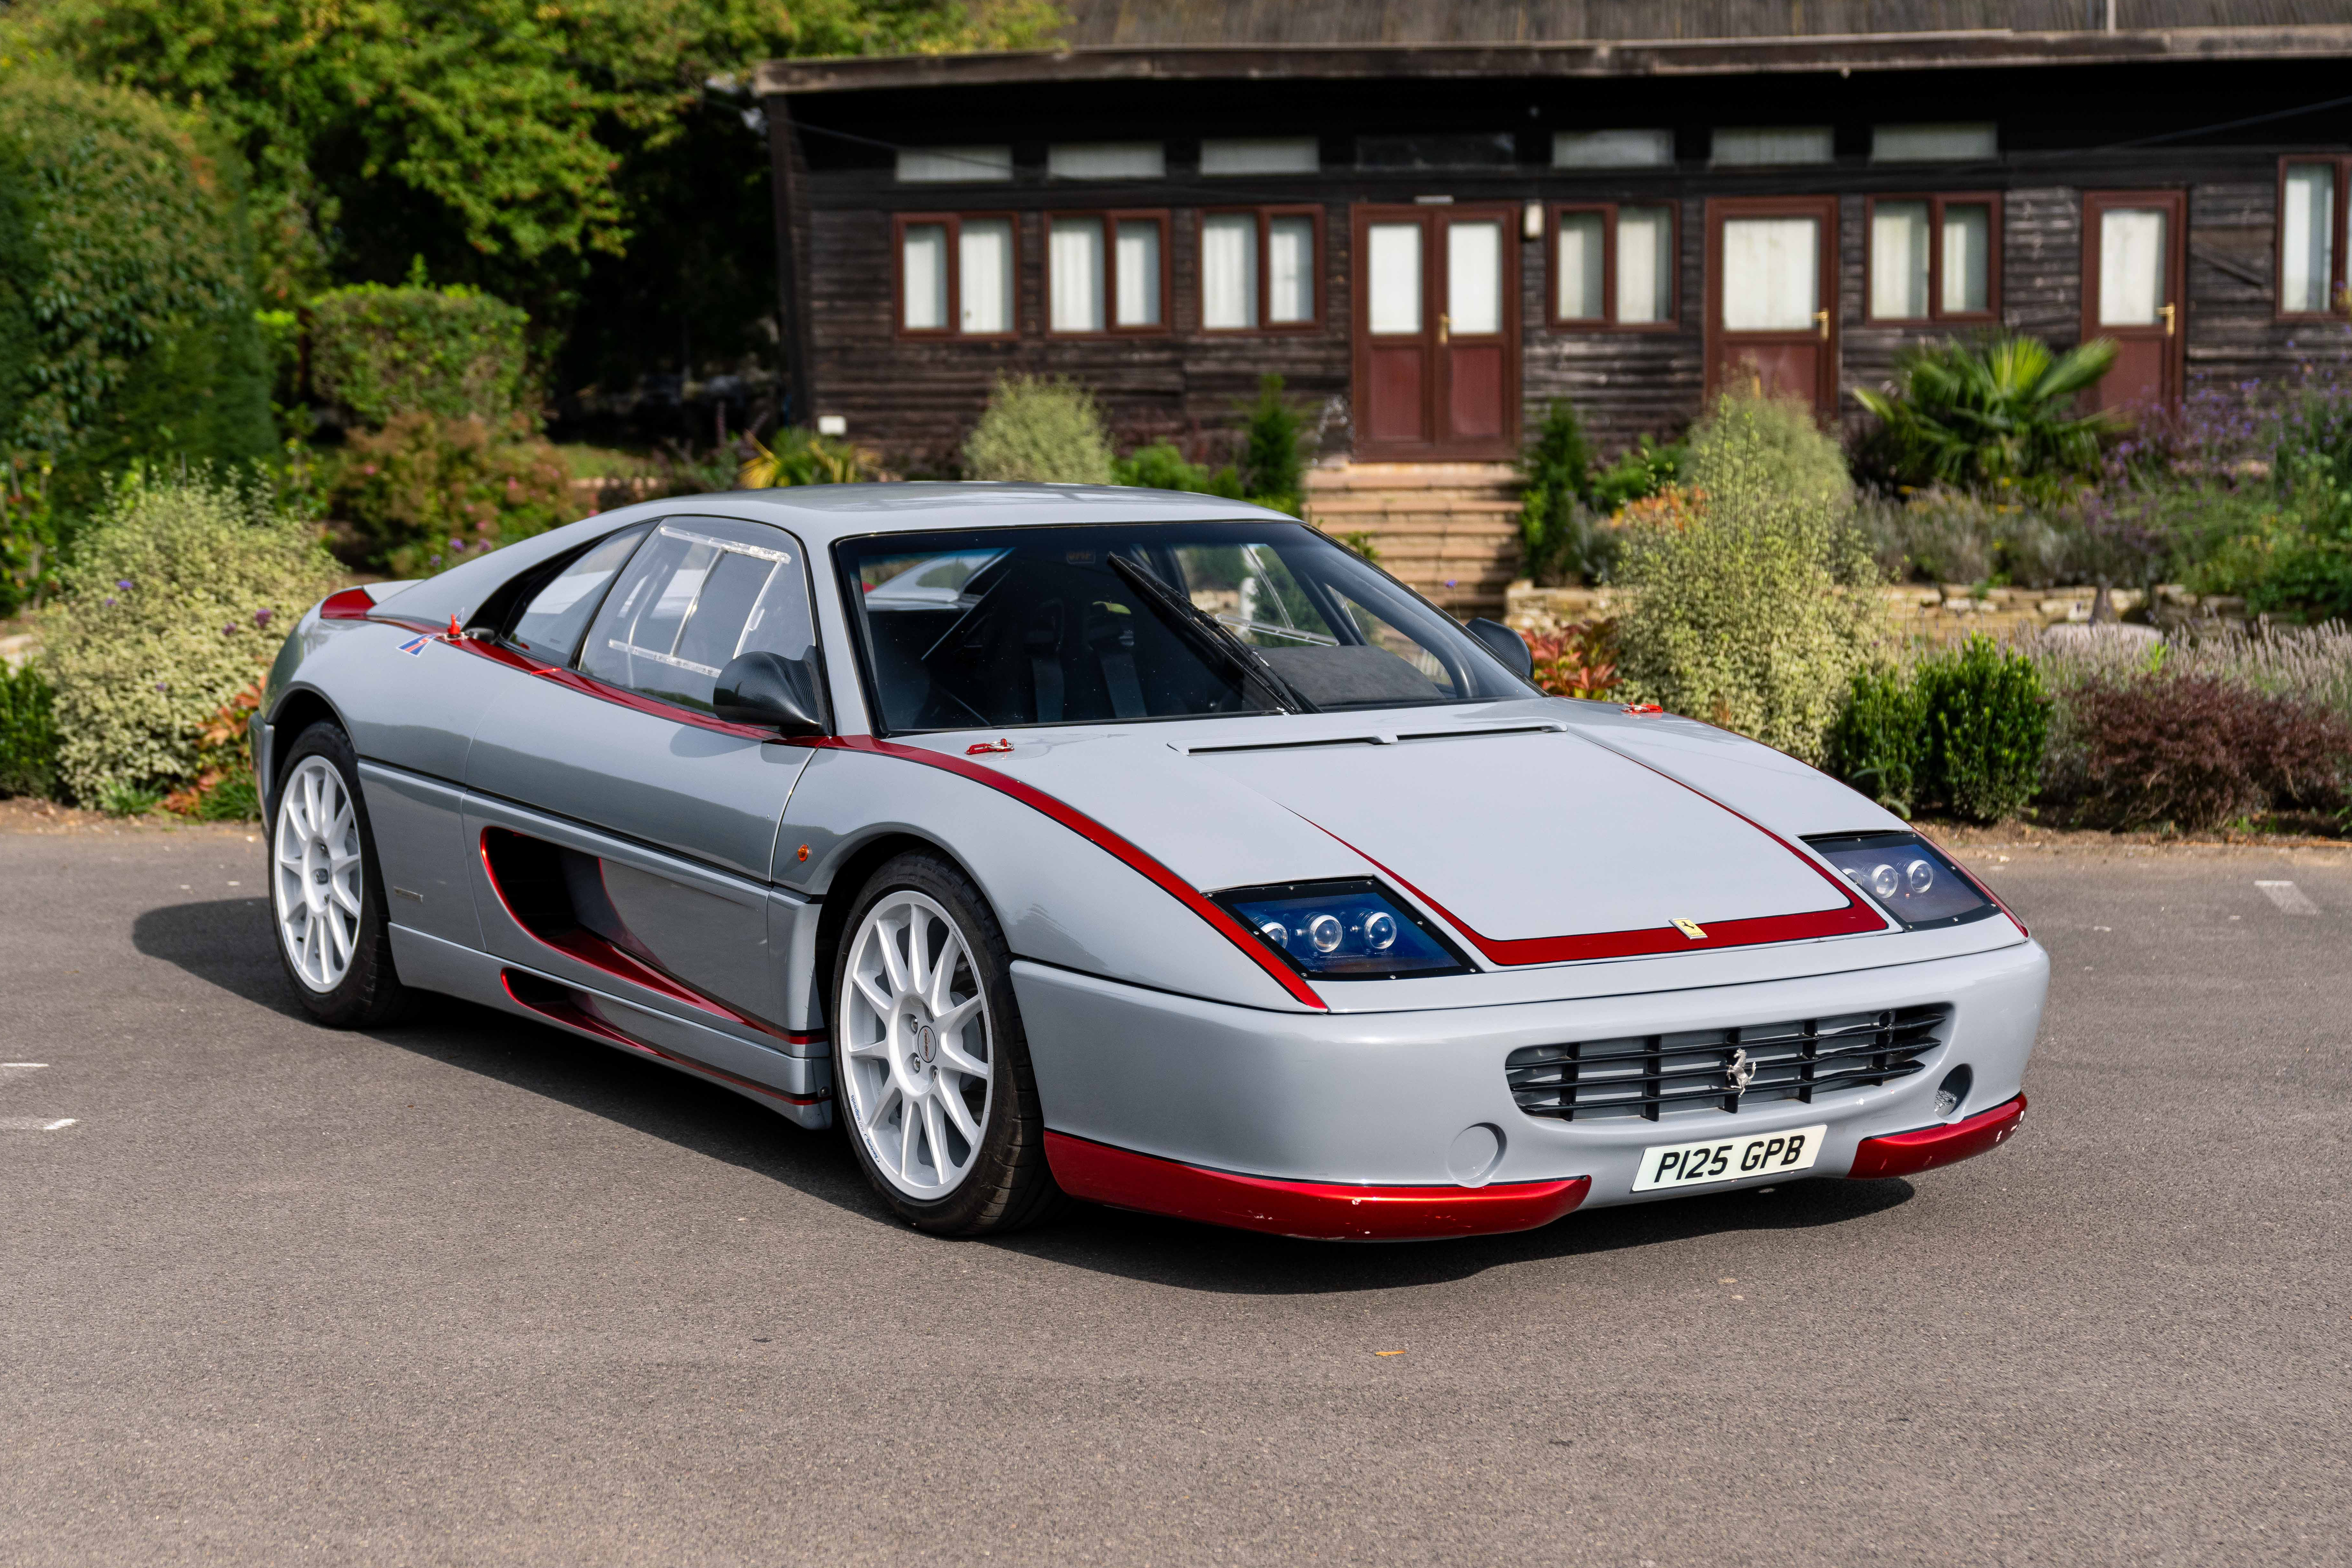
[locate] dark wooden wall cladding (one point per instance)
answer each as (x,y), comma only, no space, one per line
(1146,22)
(1623,384)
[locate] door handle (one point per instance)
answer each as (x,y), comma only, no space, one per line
(2166,311)
(1444,325)
(1822,320)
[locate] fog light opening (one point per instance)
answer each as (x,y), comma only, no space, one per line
(1953,1092)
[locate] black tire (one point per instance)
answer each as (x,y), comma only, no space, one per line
(369,995)
(1008,1184)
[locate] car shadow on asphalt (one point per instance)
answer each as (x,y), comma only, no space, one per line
(228,944)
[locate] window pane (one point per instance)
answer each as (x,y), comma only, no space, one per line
(986,259)
(1290,268)
(1898,261)
(1395,268)
(1772,144)
(690,601)
(1107,161)
(1139,273)
(2131,266)
(923,258)
(954,165)
(1771,273)
(1933,143)
(2306,262)
(1261,155)
(549,627)
(1579,266)
(1968,258)
(1229,270)
(1613,149)
(1474,276)
(1646,264)
(1074,271)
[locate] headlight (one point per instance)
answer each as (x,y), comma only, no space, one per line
(1344,931)
(1910,879)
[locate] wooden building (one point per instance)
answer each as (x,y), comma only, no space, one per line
(1433,219)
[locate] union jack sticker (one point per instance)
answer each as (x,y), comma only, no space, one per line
(415,644)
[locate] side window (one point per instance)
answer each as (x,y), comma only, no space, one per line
(550,625)
(701,591)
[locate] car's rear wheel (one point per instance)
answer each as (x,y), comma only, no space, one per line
(930,1065)
(326,894)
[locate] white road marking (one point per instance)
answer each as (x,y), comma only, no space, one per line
(19,1070)
(36,1123)
(2289,898)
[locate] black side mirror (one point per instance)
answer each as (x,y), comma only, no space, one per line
(770,690)
(1504,644)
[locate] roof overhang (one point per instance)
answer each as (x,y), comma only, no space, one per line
(1841,53)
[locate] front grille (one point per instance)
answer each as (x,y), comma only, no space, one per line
(1649,1076)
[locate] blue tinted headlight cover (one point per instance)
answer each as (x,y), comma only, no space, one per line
(1907,878)
(1352,930)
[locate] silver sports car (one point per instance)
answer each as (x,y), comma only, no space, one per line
(1144,849)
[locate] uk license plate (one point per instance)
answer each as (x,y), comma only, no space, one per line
(1729,1159)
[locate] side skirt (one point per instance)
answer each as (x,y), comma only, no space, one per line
(799,1088)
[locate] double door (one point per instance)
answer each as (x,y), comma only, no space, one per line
(1436,333)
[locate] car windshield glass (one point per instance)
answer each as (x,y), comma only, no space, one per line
(1003,627)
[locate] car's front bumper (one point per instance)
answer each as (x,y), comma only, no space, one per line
(1399,1100)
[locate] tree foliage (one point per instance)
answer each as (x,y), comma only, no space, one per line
(494,136)
(380,353)
(126,311)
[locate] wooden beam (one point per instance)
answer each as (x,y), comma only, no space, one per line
(788,189)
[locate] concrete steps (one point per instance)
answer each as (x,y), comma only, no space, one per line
(1450,529)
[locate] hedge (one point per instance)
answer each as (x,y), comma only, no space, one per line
(456,353)
(126,313)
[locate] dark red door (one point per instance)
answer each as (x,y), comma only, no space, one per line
(2134,283)
(1771,296)
(1437,333)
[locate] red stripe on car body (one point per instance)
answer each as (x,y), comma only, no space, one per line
(1314,1210)
(351,604)
(1924,1149)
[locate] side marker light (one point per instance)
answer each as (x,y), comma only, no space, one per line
(804,855)
(1690,928)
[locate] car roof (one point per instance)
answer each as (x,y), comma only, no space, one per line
(822,513)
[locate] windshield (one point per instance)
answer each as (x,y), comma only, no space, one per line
(1003,628)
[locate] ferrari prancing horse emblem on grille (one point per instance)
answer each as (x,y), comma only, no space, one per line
(1740,1072)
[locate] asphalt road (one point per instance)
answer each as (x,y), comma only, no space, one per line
(474,1292)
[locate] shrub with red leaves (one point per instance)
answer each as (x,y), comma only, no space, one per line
(2189,751)
(1579,660)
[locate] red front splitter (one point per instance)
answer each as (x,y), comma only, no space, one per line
(1124,1179)
(1907,1153)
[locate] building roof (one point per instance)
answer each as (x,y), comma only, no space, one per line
(1638,57)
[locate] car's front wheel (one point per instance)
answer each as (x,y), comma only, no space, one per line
(326,894)
(930,1065)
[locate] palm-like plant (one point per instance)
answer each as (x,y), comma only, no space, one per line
(1996,412)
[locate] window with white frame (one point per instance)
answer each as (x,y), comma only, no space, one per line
(2311,235)
(1260,269)
(1613,265)
(1105,272)
(1935,257)
(956,274)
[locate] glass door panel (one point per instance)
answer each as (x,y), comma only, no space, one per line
(1395,266)
(1473,279)
(1771,274)
(2131,266)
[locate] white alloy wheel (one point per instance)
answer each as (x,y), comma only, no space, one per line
(913,1047)
(315,888)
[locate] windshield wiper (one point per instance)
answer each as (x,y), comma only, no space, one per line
(1210,635)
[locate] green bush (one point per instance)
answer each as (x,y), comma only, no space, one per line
(28,732)
(1273,474)
(456,353)
(1039,428)
(1986,713)
(1755,612)
(1995,413)
(1879,743)
(126,306)
(178,594)
(425,493)
(1555,531)
(29,535)
(1641,471)
(801,457)
(1161,467)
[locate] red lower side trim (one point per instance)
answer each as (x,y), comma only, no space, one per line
(1907,1153)
(570,1012)
(1123,1179)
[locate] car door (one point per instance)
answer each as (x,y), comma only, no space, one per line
(624,833)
